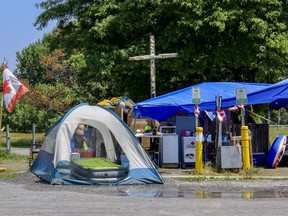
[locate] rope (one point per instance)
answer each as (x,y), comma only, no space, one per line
(261,117)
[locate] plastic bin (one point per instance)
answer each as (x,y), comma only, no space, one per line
(259,159)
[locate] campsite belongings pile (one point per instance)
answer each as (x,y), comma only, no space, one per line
(180,101)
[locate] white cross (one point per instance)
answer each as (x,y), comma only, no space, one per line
(152,58)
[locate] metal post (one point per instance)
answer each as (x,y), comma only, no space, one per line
(243,116)
(219,134)
(33,138)
(8,144)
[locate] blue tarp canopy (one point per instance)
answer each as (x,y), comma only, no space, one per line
(167,105)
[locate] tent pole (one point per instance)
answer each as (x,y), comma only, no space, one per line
(134,124)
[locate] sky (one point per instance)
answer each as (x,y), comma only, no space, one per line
(17,30)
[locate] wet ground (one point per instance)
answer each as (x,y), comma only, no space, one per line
(265,183)
(186,194)
(28,195)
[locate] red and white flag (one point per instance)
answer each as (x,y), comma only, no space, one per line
(12,89)
(221,115)
(233,109)
(196,110)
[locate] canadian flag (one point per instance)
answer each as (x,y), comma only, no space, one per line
(196,110)
(221,115)
(233,109)
(12,89)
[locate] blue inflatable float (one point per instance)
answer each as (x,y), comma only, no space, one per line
(276,151)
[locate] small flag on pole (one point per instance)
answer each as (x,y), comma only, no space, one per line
(196,110)
(221,115)
(12,89)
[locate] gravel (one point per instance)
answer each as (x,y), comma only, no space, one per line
(33,183)
(28,195)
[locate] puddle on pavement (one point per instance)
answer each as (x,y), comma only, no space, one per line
(204,194)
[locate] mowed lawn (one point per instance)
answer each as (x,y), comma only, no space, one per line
(23,140)
(20,140)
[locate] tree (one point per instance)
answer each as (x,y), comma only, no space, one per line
(217,40)
(29,63)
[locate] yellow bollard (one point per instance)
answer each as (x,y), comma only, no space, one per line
(247,195)
(245,147)
(199,150)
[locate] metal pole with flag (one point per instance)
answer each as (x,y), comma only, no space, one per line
(1,104)
(12,89)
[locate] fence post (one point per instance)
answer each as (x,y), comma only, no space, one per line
(8,144)
(33,138)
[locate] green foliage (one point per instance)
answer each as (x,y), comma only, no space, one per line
(240,39)
(30,66)
(216,40)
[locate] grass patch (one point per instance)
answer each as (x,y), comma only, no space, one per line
(211,173)
(13,163)
(21,140)
(9,174)
(275,131)
(8,156)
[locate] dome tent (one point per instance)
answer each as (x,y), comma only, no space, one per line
(53,162)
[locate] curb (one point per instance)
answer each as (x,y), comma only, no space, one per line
(226,177)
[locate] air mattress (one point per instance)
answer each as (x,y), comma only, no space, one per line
(99,180)
(97,169)
(276,151)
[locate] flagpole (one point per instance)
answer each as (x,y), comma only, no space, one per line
(1,103)
(1,116)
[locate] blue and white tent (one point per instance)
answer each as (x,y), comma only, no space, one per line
(53,162)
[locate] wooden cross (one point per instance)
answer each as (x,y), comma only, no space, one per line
(152,58)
